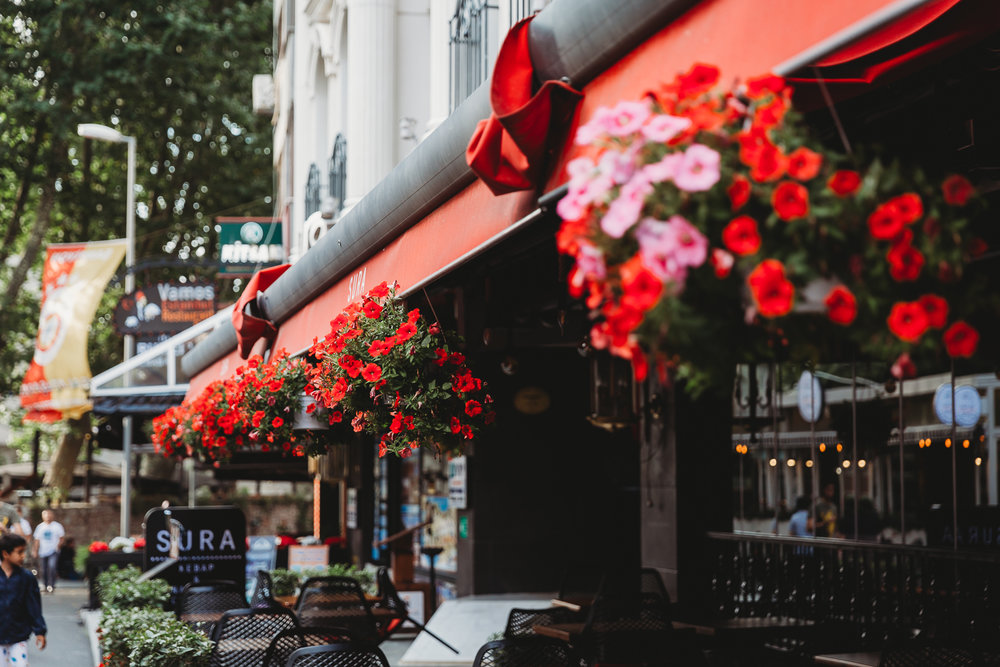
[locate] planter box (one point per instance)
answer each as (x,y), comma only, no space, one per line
(101,561)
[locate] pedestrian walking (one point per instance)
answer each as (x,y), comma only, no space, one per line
(20,604)
(48,538)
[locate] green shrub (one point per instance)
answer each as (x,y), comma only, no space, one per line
(287,582)
(150,638)
(120,589)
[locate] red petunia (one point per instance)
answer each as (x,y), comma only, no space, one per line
(405,332)
(977,247)
(442,357)
(770,164)
(908,321)
(936,310)
(741,235)
(904,367)
(456,425)
(379,291)
(909,207)
(771,291)
(841,305)
(761,85)
(804,164)
(770,114)
(961,340)
(473,408)
(257,417)
(277,422)
(844,182)
(739,192)
(905,262)
(371,372)
(699,79)
(275,385)
(641,288)
(790,201)
(885,222)
(372,309)
(957,190)
(722,262)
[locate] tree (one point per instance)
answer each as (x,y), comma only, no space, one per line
(177,76)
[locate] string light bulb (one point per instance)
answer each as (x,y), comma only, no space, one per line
(979,460)
(846,463)
(965,443)
(809,463)
(840,447)
(862,463)
(790,463)
(822,447)
(947,443)
(773,462)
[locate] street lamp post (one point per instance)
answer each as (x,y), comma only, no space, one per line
(104,133)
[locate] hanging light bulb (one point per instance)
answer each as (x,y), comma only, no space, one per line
(862,463)
(773,462)
(809,463)
(846,463)
(822,447)
(790,463)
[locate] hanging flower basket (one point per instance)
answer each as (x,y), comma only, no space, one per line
(394,375)
(710,228)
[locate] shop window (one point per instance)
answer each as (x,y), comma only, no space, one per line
(337,173)
(312,191)
(473,45)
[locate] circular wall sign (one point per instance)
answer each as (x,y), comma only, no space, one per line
(810,397)
(968,405)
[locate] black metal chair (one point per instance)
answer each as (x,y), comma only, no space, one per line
(288,641)
(390,600)
(521,621)
(338,655)
(635,629)
(928,656)
(525,652)
(263,592)
(650,581)
(243,636)
(338,601)
(202,604)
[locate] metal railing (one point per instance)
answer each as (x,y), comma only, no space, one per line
(875,590)
(472,46)
(312,191)
(337,172)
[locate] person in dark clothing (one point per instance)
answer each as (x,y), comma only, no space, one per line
(66,564)
(20,604)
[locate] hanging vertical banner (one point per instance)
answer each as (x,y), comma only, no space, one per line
(57,383)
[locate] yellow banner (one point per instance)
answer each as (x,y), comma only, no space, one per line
(57,383)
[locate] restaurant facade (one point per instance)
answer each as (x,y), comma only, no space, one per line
(585,467)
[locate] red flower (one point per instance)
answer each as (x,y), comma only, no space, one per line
(909,207)
(739,191)
(277,422)
(275,385)
(844,182)
(957,190)
(722,262)
(456,358)
(641,288)
(699,79)
(841,305)
(379,291)
(473,408)
(905,262)
(961,340)
(351,365)
(977,247)
(790,201)
(257,417)
(885,222)
(771,291)
(936,310)
(769,165)
(904,367)
(456,425)
(371,372)
(770,114)
(741,235)
(759,86)
(406,331)
(804,164)
(442,357)
(372,309)
(908,321)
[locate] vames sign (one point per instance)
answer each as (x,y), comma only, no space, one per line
(212,543)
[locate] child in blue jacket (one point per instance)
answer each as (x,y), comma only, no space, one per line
(20,604)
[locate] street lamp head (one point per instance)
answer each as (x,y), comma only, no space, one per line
(101,133)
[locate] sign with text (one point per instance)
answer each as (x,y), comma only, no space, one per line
(262,554)
(247,245)
(308,557)
(212,543)
(164,308)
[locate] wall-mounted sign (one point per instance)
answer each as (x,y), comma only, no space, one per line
(968,405)
(164,308)
(262,555)
(457,476)
(810,396)
(212,543)
(308,557)
(352,508)
(247,245)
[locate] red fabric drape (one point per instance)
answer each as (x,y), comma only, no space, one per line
(507,150)
(249,328)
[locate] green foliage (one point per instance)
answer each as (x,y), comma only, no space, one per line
(150,638)
(287,582)
(119,589)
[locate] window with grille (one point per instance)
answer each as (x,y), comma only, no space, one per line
(312,190)
(338,173)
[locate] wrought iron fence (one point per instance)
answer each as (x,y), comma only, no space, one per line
(470,46)
(877,591)
(338,172)
(312,191)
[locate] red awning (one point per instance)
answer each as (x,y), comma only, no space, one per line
(220,370)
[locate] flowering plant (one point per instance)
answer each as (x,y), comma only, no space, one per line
(211,427)
(97,547)
(394,375)
(696,215)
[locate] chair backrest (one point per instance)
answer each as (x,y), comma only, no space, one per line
(337,601)
(650,581)
(243,636)
(290,640)
(202,604)
(263,591)
(628,626)
(521,621)
(338,655)
(388,595)
(525,652)
(922,656)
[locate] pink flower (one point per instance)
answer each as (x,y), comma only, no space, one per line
(590,260)
(625,209)
(657,249)
(597,125)
(574,205)
(699,170)
(663,127)
(626,118)
(691,244)
(619,167)
(580,169)
(665,169)
(722,262)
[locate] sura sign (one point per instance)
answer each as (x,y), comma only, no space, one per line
(247,245)
(210,543)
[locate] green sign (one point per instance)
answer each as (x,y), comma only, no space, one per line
(463,527)
(247,245)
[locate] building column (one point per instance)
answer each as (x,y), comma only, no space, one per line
(371,104)
(441,12)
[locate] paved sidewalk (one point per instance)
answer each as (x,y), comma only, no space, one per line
(68,642)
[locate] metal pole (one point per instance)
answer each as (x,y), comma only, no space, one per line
(126,485)
(813,452)
(902,478)
(954,475)
(854,436)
